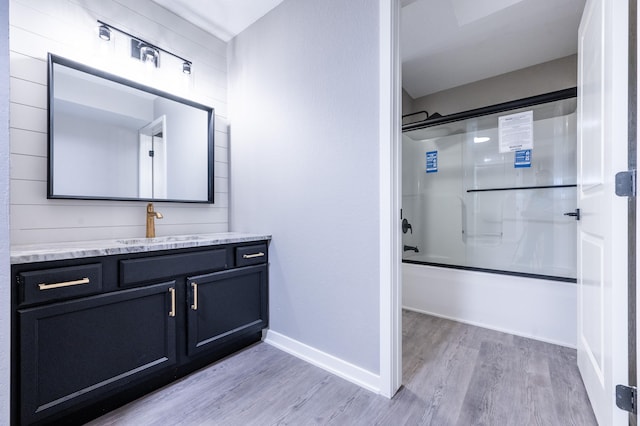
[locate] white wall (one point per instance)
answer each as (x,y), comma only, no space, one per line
(110,151)
(186,158)
(303,97)
(5,307)
(69,28)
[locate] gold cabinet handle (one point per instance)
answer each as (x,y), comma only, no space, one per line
(194,306)
(251,256)
(172,313)
(45,286)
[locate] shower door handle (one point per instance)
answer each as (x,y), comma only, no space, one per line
(575,214)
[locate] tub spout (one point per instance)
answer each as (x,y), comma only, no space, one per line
(411,248)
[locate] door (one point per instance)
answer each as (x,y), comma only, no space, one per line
(602,228)
(225,305)
(152,159)
(77,351)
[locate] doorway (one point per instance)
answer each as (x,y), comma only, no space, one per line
(490,11)
(152,159)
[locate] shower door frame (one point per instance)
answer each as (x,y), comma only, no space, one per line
(558,95)
(544,98)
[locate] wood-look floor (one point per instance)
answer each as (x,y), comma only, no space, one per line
(454,374)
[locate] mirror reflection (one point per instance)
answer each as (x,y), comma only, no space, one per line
(110,138)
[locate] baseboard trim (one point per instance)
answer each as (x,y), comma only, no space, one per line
(330,363)
(490,327)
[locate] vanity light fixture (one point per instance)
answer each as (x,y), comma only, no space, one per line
(104,32)
(141,49)
(146,54)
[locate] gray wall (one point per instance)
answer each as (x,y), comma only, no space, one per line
(538,79)
(5,309)
(303,102)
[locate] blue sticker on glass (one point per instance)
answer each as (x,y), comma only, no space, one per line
(522,159)
(432,161)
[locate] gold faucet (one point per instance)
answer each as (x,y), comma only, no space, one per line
(151,220)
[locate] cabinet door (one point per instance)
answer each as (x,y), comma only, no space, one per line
(224,305)
(77,351)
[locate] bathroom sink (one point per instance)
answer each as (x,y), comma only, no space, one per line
(168,239)
(136,241)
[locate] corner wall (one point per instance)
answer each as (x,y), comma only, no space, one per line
(407,103)
(69,29)
(304,118)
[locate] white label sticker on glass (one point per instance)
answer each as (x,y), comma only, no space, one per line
(515,131)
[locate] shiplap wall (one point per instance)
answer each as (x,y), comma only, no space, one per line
(68,28)
(5,288)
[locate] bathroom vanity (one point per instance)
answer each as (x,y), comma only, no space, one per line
(98,324)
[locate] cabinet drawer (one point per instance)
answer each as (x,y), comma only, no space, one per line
(59,283)
(251,255)
(137,271)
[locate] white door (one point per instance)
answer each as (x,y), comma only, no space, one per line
(602,230)
(152,168)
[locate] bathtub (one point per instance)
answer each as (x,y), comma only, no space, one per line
(536,308)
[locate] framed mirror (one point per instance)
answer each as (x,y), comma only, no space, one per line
(114,139)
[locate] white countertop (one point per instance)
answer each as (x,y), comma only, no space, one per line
(30,253)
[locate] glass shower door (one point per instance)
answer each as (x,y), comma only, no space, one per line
(474,202)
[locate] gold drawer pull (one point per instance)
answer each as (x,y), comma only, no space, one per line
(45,286)
(251,256)
(194,306)
(172,313)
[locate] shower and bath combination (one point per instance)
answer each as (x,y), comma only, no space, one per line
(477,200)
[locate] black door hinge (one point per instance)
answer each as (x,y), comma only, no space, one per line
(626,398)
(626,183)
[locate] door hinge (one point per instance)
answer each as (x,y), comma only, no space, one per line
(626,397)
(626,183)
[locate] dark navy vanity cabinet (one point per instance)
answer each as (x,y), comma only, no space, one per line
(90,334)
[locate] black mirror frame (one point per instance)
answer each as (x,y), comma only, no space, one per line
(55,59)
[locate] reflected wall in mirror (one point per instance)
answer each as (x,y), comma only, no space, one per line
(111,138)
